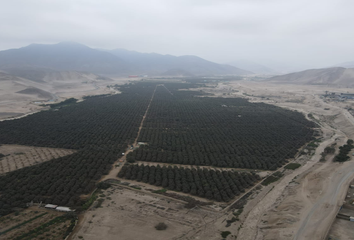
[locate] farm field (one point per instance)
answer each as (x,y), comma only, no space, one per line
(17,157)
(213,185)
(98,129)
(183,128)
(35,223)
(194,144)
(199,131)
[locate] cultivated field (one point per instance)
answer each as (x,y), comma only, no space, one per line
(303,204)
(17,157)
(298,203)
(34,223)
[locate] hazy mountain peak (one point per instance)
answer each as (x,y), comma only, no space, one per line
(72,56)
(252,66)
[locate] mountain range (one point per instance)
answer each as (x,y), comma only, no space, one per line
(39,59)
(252,67)
(338,76)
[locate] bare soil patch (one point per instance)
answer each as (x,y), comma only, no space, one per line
(17,156)
(129,214)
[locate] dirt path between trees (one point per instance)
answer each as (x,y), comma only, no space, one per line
(121,160)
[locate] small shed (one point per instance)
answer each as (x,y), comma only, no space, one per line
(51,206)
(351,219)
(63,209)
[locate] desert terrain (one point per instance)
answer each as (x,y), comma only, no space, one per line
(20,96)
(131,214)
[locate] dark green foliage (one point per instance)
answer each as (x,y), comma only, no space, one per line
(221,132)
(329,150)
(63,103)
(224,234)
(99,202)
(230,221)
(272,178)
(161,226)
(343,151)
(214,185)
(160,191)
(89,201)
(103,185)
(191,204)
(292,166)
(96,96)
(179,128)
(100,129)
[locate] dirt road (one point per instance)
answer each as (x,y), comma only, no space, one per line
(250,226)
(118,165)
(309,213)
(325,209)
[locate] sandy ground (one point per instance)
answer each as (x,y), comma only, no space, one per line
(17,156)
(128,214)
(56,87)
(303,204)
(342,228)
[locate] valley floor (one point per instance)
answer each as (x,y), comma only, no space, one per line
(301,205)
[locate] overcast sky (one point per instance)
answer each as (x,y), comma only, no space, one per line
(314,33)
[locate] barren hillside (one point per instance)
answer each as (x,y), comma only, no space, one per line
(327,76)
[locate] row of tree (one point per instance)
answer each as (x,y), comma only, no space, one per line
(212,184)
(181,128)
(344,151)
(99,128)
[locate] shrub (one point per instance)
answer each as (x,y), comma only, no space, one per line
(161,226)
(292,166)
(103,185)
(224,234)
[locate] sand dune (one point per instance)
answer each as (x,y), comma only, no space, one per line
(36,91)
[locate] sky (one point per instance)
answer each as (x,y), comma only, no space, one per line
(301,33)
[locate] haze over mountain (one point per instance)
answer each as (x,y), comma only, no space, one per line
(252,66)
(38,59)
(326,76)
(346,64)
(154,63)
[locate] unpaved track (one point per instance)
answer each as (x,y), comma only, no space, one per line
(113,173)
(115,170)
(250,226)
(325,209)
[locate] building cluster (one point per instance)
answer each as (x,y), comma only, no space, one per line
(339,96)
